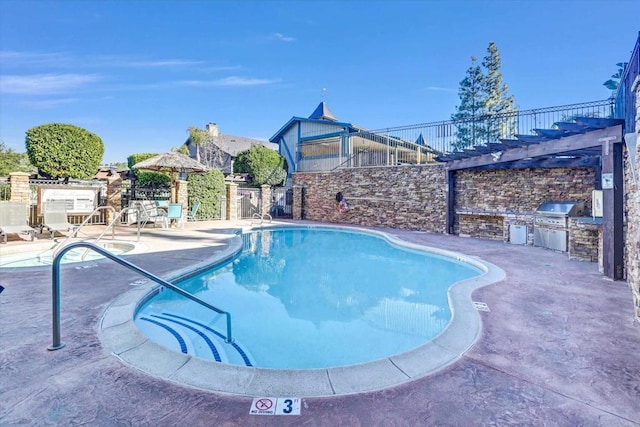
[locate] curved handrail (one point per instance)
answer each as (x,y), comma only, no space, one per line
(114,220)
(75,232)
(262,218)
(256,216)
(111,225)
(57,344)
(83,223)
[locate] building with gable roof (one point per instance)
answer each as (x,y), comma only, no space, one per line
(313,143)
(219,150)
(322,143)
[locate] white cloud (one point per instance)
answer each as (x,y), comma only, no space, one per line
(440,89)
(221,68)
(66,59)
(33,58)
(230,81)
(152,63)
(282,38)
(45,84)
(244,81)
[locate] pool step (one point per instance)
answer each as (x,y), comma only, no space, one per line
(188,336)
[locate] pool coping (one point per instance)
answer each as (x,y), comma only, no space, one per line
(122,339)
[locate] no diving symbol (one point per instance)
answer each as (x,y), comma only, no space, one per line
(263,404)
(275,406)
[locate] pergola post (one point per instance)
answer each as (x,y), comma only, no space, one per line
(451,200)
(612,201)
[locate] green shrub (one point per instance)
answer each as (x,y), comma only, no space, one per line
(148,178)
(208,188)
(5,192)
(64,151)
(10,161)
(263,164)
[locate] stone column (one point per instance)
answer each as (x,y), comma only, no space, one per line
(182,194)
(232,201)
(19,186)
(633,218)
(265,199)
(114,196)
(298,200)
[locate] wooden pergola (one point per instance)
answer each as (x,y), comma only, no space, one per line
(587,142)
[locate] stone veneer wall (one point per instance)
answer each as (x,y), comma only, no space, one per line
(114,196)
(414,197)
(481,226)
(409,197)
(632,205)
(19,184)
(522,190)
(583,241)
(489,202)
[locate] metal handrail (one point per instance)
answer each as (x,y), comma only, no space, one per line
(115,219)
(86,220)
(111,224)
(74,233)
(58,344)
(261,217)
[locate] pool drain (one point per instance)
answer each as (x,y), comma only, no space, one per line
(481,306)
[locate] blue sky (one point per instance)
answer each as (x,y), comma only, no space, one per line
(139,73)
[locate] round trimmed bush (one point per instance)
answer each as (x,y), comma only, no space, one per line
(64,151)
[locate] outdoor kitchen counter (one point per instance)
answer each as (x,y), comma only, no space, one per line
(502,213)
(587,220)
(493,224)
(585,237)
(583,234)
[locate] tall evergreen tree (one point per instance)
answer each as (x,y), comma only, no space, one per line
(472,105)
(497,100)
(484,112)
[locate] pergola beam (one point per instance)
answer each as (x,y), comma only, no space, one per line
(546,148)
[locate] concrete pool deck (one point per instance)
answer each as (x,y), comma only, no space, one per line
(558,347)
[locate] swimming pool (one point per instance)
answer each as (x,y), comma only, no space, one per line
(309,298)
(41,254)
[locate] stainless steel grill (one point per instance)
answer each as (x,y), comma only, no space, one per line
(551,223)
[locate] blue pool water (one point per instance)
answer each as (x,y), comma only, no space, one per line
(310,298)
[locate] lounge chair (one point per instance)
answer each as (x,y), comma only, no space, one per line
(163,204)
(55,219)
(147,211)
(191,216)
(174,213)
(13,220)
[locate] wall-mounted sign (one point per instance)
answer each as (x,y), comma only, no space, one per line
(607,181)
(77,199)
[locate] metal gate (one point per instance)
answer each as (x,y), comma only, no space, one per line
(248,202)
(281,202)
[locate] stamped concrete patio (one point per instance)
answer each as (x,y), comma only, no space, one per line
(558,347)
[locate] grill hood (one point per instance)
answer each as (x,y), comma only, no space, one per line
(561,209)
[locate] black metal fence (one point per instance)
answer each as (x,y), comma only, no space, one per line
(625,103)
(281,202)
(249,201)
(448,135)
(139,193)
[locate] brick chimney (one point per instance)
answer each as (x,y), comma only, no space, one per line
(213,130)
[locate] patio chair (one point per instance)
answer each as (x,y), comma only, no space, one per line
(163,204)
(149,212)
(55,219)
(191,216)
(174,213)
(13,220)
